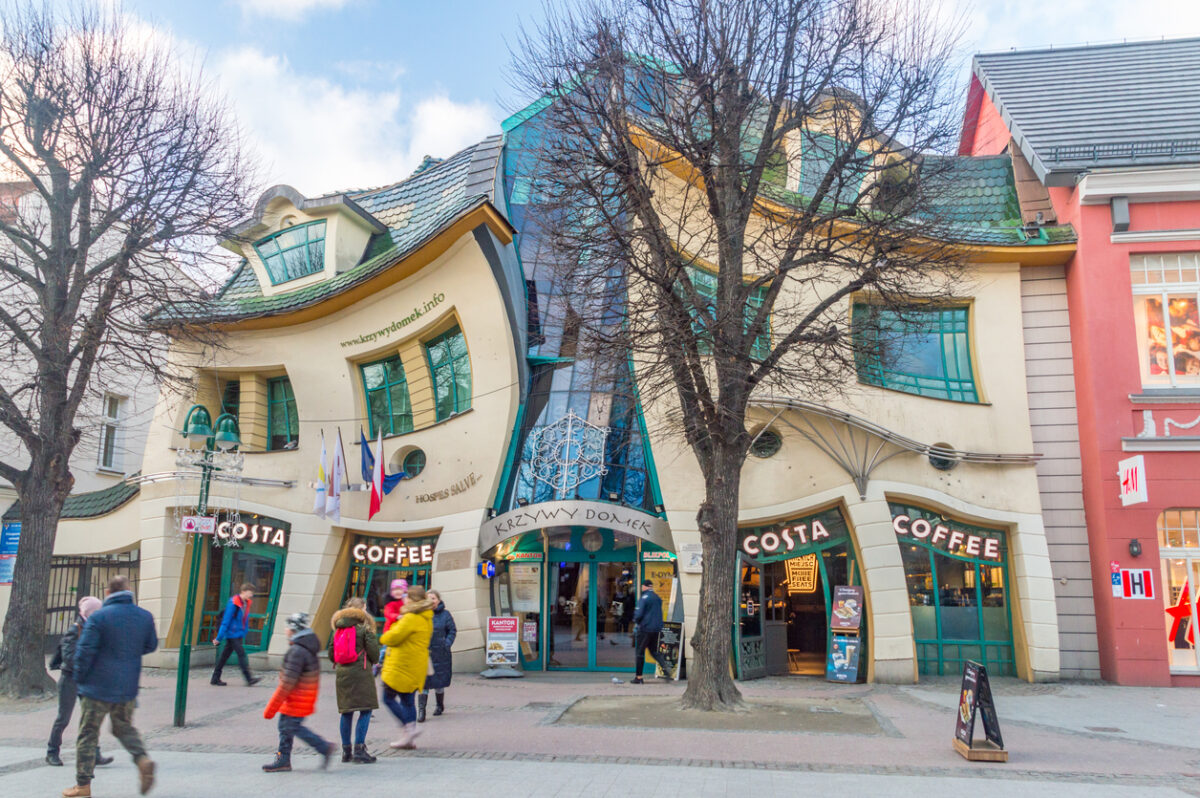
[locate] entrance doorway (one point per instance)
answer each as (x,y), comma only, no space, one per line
(228,570)
(591,615)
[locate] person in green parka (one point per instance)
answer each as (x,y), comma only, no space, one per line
(355,678)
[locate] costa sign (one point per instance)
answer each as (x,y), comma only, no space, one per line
(390,554)
(955,541)
(784,540)
(252,533)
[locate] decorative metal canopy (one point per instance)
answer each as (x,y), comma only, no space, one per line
(860,446)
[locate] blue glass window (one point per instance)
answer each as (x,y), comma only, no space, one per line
(450,368)
(925,351)
(706,286)
(293,252)
(283,425)
(388,405)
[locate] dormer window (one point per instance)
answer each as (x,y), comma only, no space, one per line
(293,252)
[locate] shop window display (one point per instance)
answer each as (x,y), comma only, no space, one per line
(1166,306)
(959,602)
(1179,545)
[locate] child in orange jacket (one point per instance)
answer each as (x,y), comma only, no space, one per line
(295,698)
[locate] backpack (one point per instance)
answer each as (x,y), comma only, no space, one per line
(345,645)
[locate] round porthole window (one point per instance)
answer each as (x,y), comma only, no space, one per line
(414,463)
(941,457)
(767,443)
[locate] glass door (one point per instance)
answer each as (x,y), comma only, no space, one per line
(264,571)
(615,602)
(749,648)
(569,614)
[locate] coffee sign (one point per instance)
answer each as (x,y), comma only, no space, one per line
(392,554)
(948,536)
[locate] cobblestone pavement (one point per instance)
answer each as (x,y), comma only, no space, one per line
(516,737)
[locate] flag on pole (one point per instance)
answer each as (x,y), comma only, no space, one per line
(322,483)
(368,466)
(337,475)
(377,480)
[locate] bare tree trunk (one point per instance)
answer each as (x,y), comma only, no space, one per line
(711,686)
(22,661)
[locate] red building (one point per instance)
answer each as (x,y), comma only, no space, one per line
(1107,139)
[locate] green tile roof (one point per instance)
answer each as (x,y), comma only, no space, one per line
(87,505)
(413,210)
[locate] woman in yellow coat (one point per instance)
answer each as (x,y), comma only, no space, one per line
(407,662)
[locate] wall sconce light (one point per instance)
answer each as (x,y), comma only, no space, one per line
(658,508)
(613,496)
(522,501)
(1135,548)
(491,513)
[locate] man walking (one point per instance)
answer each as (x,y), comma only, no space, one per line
(108,667)
(648,620)
(234,625)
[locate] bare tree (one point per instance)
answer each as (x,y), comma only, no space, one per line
(715,181)
(123,168)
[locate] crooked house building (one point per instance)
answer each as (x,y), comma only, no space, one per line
(426,311)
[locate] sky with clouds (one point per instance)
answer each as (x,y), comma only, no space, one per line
(339,94)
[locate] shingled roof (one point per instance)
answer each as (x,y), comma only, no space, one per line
(87,505)
(413,211)
(1077,108)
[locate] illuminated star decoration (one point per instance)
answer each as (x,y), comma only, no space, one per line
(1179,612)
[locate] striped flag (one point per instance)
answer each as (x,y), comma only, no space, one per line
(377,479)
(322,483)
(337,475)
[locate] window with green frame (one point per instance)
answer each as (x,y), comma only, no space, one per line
(388,406)
(283,425)
(450,368)
(705,283)
(919,350)
(293,252)
(960,604)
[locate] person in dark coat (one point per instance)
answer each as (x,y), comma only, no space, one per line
(356,680)
(444,632)
(648,618)
(64,661)
(234,625)
(108,669)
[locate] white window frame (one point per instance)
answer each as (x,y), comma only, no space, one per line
(111,428)
(1161,276)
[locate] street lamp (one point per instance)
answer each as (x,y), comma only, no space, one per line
(198,428)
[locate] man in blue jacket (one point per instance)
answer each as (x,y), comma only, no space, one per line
(648,619)
(234,625)
(108,668)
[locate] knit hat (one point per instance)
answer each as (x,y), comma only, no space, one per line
(88,605)
(399,584)
(298,621)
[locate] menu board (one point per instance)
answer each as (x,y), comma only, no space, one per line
(502,641)
(670,648)
(976,696)
(847,608)
(844,651)
(525,584)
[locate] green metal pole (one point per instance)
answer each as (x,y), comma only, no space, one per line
(185,643)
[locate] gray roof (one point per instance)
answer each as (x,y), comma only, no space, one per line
(1079,108)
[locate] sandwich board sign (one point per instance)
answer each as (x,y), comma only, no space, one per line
(975,698)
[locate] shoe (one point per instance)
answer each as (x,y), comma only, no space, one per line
(280,765)
(361,755)
(327,757)
(253,680)
(636,680)
(422,703)
(78,791)
(103,760)
(346,753)
(52,758)
(218,683)
(441,704)
(145,766)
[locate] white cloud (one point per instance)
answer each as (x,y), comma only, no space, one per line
(286,9)
(318,135)
(1004,24)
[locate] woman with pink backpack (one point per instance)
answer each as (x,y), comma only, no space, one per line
(355,649)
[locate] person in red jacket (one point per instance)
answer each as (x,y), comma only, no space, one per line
(391,610)
(295,698)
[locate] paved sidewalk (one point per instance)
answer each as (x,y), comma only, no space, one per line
(568,733)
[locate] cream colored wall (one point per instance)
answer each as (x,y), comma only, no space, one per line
(324,377)
(802,477)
